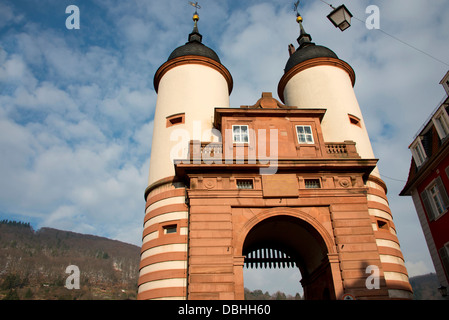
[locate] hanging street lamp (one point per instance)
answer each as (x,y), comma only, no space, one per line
(341,17)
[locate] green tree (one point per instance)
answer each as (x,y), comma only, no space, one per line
(280,296)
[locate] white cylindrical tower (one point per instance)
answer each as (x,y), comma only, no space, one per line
(189,85)
(316,78)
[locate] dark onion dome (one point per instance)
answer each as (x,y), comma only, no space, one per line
(194,46)
(307,49)
(194,51)
(309,52)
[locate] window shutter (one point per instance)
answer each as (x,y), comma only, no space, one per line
(443,192)
(445,259)
(427,205)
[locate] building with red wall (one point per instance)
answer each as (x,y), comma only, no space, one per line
(428,183)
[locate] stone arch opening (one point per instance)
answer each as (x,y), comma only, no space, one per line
(284,240)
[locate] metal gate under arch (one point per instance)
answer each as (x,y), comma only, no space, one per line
(285,241)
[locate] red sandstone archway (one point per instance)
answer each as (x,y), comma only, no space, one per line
(306,243)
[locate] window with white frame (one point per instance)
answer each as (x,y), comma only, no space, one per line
(305,135)
(418,152)
(435,199)
(441,122)
(240,134)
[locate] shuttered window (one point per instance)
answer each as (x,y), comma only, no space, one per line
(435,199)
(441,124)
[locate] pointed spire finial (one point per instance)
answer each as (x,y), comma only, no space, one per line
(304,39)
(195,35)
(196,17)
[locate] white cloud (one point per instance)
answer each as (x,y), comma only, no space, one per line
(255,51)
(17,149)
(76,114)
(12,69)
(143,138)
(8,16)
(73,124)
(46,99)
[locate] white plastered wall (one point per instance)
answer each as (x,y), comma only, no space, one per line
(195,90)
(330,88)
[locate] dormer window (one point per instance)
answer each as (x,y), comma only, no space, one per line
(445,82)
(418,152)
(441,122)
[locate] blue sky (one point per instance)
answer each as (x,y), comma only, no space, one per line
(76,106)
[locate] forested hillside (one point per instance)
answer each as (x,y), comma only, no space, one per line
(425,287)
(33,264)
